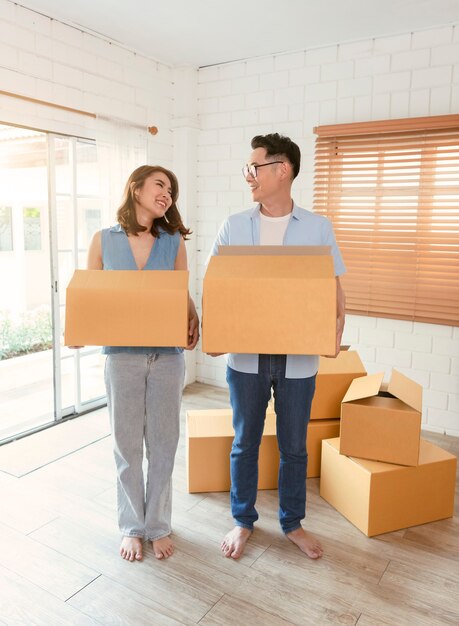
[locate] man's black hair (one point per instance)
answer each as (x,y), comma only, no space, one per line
(277,146)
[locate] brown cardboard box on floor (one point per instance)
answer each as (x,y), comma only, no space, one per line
(381,497)
(275,303)
(317,431)
(209,438)
(332,382)
(127,308)
(382,426)
(209,435)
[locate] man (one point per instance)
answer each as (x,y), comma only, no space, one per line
(276,220)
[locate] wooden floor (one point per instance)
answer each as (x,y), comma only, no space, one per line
(59,561)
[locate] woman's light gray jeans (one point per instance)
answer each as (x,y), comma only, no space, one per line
(144,393)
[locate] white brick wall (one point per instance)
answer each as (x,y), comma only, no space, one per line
(411,74)
(406,75)
(45,59)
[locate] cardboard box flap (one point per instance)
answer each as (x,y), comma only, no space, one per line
(406,390)
(210,423)
(428,453)
(269,267)
(274,250)
(364,387)
(369,467)
(129,280)
(346,361)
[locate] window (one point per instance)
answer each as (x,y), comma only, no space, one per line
(93,220)
(6,229)
(32,229)
(391,190)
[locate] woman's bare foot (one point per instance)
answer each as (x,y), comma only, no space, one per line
(131,548)
(234,542)
(163,548)
(306,542)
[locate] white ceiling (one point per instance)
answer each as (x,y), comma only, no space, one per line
(207,32)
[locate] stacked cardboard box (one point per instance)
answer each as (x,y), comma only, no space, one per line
(210,432)
(379,473)
(210,435)
(382,425)
(332,382)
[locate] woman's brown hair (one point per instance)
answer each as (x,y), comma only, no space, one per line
(171,221)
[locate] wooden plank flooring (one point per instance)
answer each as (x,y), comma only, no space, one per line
(59,561)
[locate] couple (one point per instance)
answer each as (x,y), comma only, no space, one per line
(144,385)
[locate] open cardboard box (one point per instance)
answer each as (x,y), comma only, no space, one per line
(270,301)
(210,435)
(382,425)
(127,308)
(332,382)
(381,497)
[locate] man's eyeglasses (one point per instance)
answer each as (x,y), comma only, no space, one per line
(252,169)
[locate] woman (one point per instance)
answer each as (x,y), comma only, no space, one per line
(144,385)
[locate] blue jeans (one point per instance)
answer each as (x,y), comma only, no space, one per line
(249,395)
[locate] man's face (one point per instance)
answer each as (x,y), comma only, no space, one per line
(267,181)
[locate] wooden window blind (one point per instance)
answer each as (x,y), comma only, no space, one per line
(391,190)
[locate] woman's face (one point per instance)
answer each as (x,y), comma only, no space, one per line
(154,198)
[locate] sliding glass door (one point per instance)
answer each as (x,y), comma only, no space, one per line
(49,209)
(26,365)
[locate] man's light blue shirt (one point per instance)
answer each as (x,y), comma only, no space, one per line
(304,229)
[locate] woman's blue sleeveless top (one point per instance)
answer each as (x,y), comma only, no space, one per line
(117,255)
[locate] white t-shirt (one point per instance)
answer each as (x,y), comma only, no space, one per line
(272,229)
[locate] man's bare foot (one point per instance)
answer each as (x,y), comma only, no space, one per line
(163,548)
(234,542)
(306,542)
(131,548)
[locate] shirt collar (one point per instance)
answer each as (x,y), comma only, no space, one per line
(117,229)
(255,214)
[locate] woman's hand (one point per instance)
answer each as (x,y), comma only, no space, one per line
(193,329)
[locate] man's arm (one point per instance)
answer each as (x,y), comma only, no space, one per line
(221,239)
